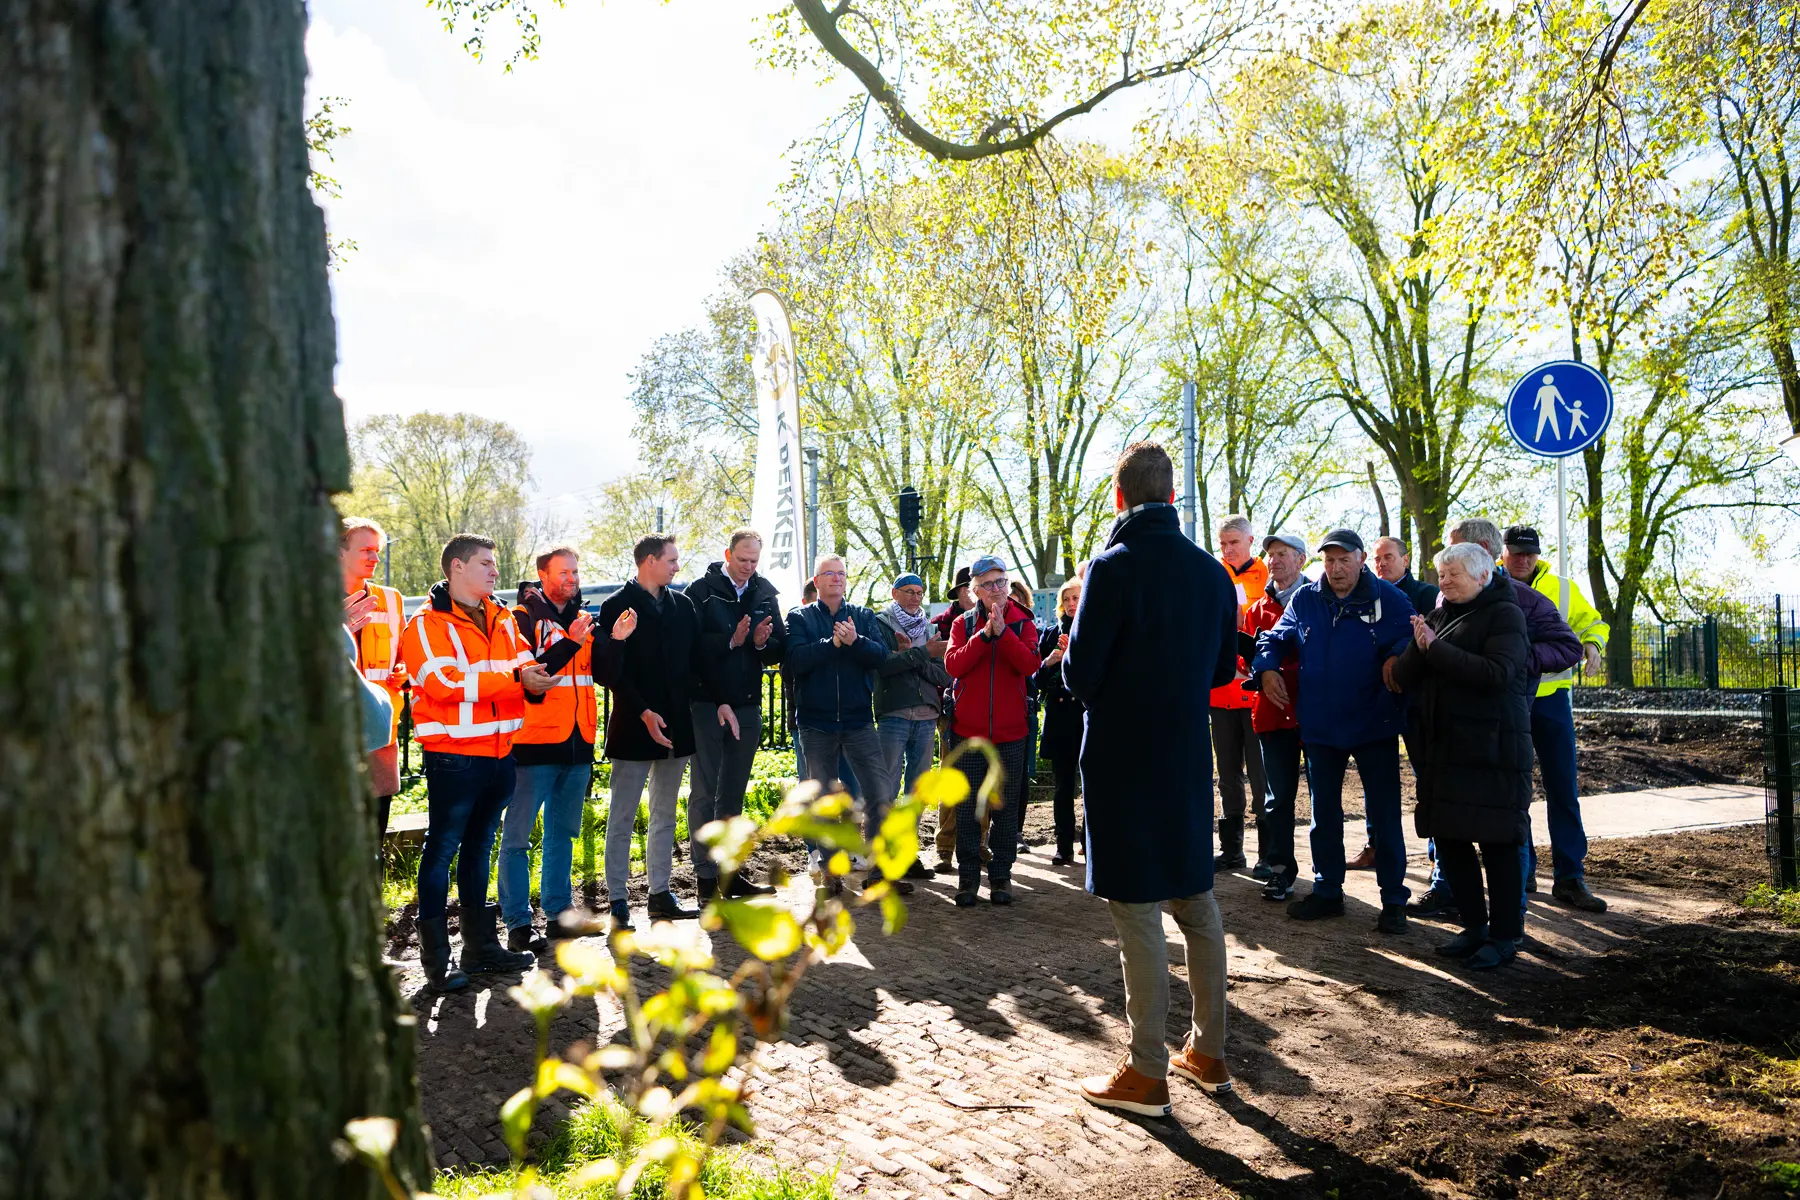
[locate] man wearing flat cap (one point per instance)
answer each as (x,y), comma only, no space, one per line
(1340,630)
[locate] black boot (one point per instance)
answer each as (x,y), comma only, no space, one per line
(482,951)
(434,956)
(664,906)
(1231,844)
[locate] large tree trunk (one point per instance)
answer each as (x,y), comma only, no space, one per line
(193,1001)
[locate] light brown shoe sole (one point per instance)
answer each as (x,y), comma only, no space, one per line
(1130,1106)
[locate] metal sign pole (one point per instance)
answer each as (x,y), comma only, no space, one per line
(1189,469)
(1562,534)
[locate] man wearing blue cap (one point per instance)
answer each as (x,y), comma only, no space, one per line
(1342,629)
(910,697)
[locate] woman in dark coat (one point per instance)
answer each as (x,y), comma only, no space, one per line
(1467,664)
(1061,743)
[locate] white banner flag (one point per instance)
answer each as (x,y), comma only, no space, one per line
(777,501)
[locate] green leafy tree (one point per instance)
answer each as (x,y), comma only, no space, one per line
(430,476)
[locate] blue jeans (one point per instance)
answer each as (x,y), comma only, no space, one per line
(1553,741)
(861,750)
(906,744)
(464,797)
(1378,764)
(1281,787)
(561,791)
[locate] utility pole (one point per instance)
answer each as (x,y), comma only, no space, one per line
(1189,452)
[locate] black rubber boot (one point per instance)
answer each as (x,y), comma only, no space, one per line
(1231,844)
(482,951)
(434,956)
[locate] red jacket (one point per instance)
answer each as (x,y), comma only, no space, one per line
(991,674)
(1265,714)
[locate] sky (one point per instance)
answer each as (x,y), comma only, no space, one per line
(523,238)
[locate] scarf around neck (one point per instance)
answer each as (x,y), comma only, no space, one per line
(916,628)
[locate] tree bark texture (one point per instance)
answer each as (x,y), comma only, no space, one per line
(193,1000)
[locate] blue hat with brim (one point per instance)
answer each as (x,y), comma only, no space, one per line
(986,563)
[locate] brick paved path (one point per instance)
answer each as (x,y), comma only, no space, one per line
(942,1061)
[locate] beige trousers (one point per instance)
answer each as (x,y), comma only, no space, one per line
(1144,956)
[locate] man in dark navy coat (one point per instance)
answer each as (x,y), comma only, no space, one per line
(1155,633)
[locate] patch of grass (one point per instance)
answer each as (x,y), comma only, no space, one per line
(1784,1175)
(604,1129)
(1783,903)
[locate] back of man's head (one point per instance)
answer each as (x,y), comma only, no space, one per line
(1144,474)
(1479,530)
(462,548)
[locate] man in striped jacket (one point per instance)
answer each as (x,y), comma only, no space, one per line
(470,670)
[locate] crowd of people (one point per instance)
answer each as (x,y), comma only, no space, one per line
(1162,662)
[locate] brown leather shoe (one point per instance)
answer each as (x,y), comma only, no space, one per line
(1128,1090)
(1210,1073)
(1364,861)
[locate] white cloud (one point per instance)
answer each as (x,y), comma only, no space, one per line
(523,238)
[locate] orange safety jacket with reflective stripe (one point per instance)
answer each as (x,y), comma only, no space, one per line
(1251,581)
(571,700)
(467,698)
(378,647)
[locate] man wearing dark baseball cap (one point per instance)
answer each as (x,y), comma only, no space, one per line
(1342,629)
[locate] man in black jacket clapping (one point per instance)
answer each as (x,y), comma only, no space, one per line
(741,632)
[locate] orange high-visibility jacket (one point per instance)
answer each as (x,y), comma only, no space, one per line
(378,647)
(467,698)
(1251,581)
(571,702)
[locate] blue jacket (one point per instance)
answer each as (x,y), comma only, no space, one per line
(1155,633)
(834,686)
(1341,646)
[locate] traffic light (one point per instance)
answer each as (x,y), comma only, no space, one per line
(911,508)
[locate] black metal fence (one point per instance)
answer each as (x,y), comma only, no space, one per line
(1747,646)
(1781,750)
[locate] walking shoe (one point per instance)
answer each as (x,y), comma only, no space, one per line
(1000,896)
(482,951)
(434,956)
(1465,943)
(1063,858)
(1313,906)
(663,906)
(1262,872)
(1436,902)
(1364,861)
(1128,1090)
(621,915)
(899,886)
(1531,884)
(1230,861)
(740,888)
(1492,953)
(1575,894)
(525,938)
(965,899)
(1278,889)
(1210,1073)
(706,888)
(1024,849)
(919,870)
(1392,919)
(556,931)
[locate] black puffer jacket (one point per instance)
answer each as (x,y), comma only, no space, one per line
(1474,718)
(1062,711)
(723,675)
(652,671)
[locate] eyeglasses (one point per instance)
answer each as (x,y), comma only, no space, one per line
(833,575)
(910,591)
(994,585)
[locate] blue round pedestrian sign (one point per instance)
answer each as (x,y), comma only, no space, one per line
(1559,408)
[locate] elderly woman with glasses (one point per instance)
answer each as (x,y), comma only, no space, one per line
(1468,666)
